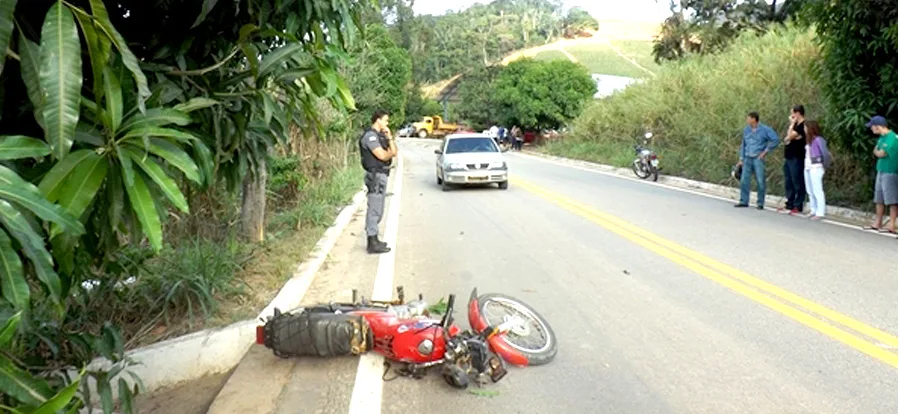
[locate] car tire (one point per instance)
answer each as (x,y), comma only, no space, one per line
(445,186)
(504,185)
(423,134)
(439,180)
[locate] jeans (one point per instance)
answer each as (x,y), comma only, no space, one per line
(815,190)
(794,186)
(753,165)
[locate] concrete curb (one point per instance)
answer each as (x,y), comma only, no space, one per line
(218,350)
(709,188)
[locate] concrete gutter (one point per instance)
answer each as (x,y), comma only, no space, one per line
(732,193)
(218,350)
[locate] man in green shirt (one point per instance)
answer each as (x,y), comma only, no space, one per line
(886,169)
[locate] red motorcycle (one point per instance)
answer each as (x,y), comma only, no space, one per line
(407,333)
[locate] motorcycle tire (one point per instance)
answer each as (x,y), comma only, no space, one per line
(540,356)
(638,171)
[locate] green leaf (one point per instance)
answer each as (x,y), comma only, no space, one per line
(195,103)
(203,156)
(14,188)
(61,399)
(12,276)
(21,386)
(115,201)
(168,186)
(7,7)
(113,93)
(142,203)
(105,391)
(207,7)
(156,117)
(64,252)
(13,147)
(126,397)
(9,329)
(30,66)
(98,50)
(53,181)
(160,132)
(174,155)
(60,78)
(33,247)
(274,59)
(88,134)
(81,187)
(128,58)
(291,75)
(346,95)
(127,168)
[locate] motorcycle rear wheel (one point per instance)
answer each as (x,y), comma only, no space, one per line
(518,338)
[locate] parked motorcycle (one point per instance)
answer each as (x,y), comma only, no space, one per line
(647,162)
(407,333)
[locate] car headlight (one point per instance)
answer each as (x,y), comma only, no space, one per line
(499,165)
(456,166)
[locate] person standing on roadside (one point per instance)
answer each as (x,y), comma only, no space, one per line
(794,156)
(814,169)
(886,173)
(377,149)
(758,140)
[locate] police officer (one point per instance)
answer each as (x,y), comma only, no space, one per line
(376,148)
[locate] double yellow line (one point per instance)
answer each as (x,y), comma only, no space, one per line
(864,338)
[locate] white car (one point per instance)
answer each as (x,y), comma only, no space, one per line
(470,158)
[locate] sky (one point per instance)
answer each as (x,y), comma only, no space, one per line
(629,10)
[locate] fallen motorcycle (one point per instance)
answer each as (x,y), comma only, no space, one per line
(407,333)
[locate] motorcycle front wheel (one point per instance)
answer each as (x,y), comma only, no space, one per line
(639,169)
(533,338)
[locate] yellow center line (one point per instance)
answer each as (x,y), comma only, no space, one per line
(736,280)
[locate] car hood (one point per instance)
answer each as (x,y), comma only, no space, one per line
(473,157)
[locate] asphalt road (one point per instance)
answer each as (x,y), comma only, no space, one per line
(662,301)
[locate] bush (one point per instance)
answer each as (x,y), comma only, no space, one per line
(697,108)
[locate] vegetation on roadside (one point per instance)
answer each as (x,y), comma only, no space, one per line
(530,93)
(696,110)
(135,155)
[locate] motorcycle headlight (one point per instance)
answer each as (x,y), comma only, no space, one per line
(426,347)
(499,165)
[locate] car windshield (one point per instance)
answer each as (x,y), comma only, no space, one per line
(481,144)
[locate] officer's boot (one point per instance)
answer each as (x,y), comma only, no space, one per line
(376,247)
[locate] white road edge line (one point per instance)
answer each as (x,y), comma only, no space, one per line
(367,388)
(683,190)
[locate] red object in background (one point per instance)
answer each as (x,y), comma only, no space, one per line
(529,136)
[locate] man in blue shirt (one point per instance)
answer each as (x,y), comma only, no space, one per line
(758,140)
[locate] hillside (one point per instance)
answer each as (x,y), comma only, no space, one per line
(618,48)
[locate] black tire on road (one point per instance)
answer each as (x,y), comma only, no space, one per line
(504,185)
(541,357)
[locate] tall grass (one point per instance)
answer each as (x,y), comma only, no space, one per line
(696,110)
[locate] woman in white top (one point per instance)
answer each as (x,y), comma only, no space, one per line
(814,169)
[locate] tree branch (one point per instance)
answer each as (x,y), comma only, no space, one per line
(12,54)
(203,71)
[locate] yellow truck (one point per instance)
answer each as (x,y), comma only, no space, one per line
(433,126)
